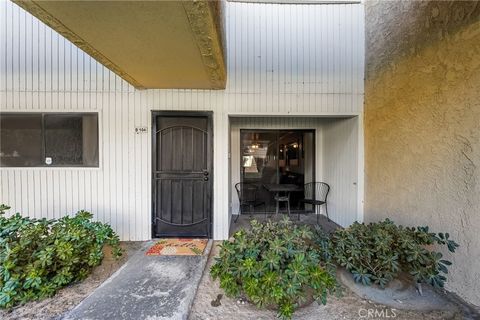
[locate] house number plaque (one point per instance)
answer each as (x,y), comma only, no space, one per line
(141,130)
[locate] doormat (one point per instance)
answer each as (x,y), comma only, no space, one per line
(178,247)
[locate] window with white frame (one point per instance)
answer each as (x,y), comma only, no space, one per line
(48,139)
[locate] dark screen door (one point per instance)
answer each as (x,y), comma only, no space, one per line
(182,176)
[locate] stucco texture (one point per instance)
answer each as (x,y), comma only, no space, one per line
(422,124)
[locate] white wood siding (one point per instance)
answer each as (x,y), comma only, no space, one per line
(340,154)
(282,60)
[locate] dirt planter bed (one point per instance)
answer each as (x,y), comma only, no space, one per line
(68,297)
(400,293)
(349,306)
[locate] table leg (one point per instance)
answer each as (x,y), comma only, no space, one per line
(277,203)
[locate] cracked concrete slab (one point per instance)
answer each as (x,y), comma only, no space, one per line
(146,287)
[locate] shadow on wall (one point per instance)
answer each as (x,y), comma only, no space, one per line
(422,124)
(401,28)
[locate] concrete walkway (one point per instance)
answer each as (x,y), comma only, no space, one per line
(146,287)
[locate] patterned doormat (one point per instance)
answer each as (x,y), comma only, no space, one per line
(178,247)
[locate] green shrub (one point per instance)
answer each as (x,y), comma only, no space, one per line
(39,256)
(378,252)
(274,264)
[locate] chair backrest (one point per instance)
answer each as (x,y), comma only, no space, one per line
(316,191)
(247,192)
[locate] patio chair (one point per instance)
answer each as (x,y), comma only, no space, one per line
(282,198)
(316,194)
(247,197)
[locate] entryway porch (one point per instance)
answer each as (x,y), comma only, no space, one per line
(298,152)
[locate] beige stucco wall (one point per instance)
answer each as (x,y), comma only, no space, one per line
(422,124)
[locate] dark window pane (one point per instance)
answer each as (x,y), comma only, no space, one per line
(259,162)
(277,156)
(259,156)
(71,139)
(21,140)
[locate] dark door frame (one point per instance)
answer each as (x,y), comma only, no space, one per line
(210,155)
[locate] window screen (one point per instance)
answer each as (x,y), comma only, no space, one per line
(49,139)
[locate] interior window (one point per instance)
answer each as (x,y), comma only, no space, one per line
(49,139)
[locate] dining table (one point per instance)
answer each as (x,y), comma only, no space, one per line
(278,188)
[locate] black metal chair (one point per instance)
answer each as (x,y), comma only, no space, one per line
(316,194)
(247,197)
(282,198)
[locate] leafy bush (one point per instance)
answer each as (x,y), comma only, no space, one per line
(274,264)
(378,252)
(39,256)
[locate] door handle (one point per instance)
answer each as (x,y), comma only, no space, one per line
(205,173)
(205,179)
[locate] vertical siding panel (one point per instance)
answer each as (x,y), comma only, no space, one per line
(88,190)
(73,74)
(68,192)
(60,65)
(129,167)
(74,194)
(101,203)
(16,58)
(49,194)
(54,68)
(242,90)
(67,77)
(94,197)
(80,80)
(3,62)
(124,157)
(21,195)
(21,60)
(29,181)
(5,194)
(146,172)
(57,194)
(81,190)
(360,54)
(6,42)
(136,167)
(3,53)
(48,66)
(29,39)
(11,191)
(110,169)
(295,58)
(43,194)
